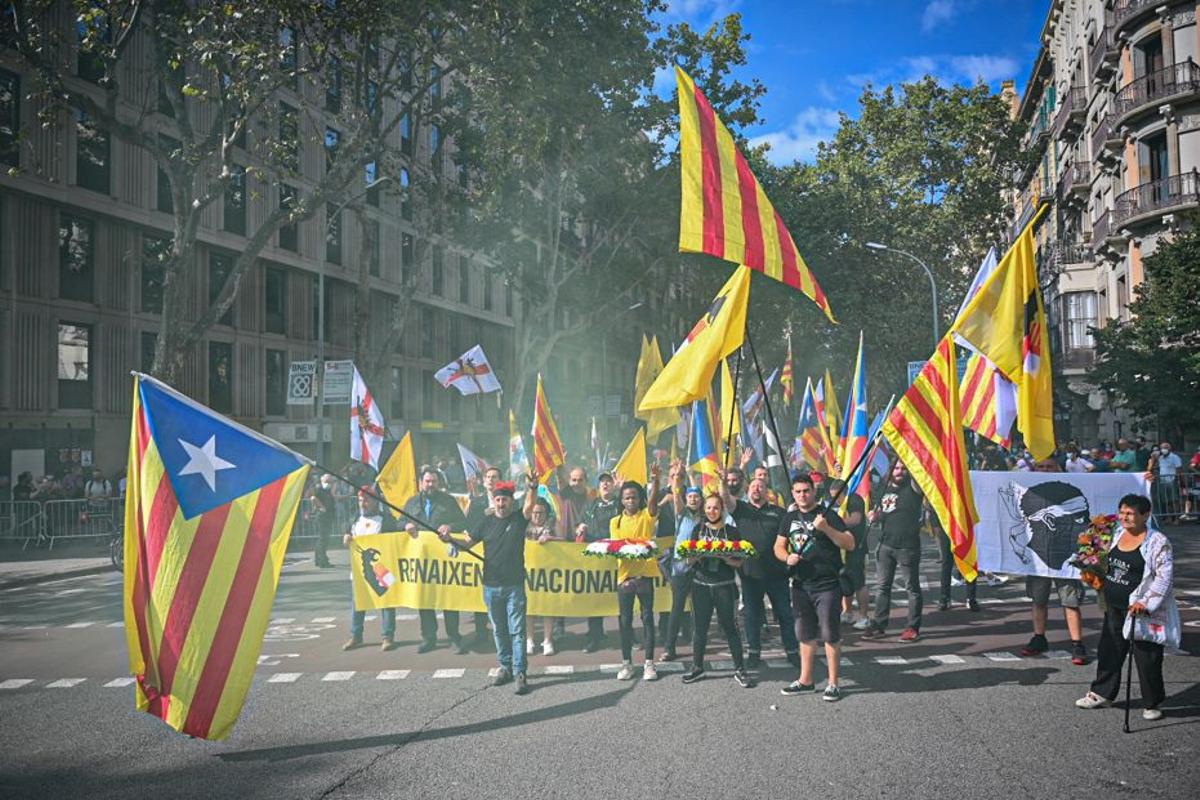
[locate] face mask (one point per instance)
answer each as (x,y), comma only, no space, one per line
(1165,451)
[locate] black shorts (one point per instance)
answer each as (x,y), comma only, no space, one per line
(818,615)
(856,565)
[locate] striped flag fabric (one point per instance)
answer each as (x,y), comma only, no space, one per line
(518,459)
(814,437)
(702,454)
(724,211)
(786,379)
(548,452)
(208,515)
(989,401)
(925,430)
(757,400)
(854,443)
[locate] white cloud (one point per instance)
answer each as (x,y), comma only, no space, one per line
(798,141)
(947,69)
(700,13)
(937,12)
(984,67)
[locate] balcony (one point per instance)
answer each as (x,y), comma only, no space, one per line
(1075,182)
(1155,198)
(1127,12)
(1039,130)
(1105,234)
(1155,89)
(1071,112)
(1104,54)
(1076,358)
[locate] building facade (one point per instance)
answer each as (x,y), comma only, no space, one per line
(1113,107)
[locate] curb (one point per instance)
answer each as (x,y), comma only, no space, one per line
(56,576)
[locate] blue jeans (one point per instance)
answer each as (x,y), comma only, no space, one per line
(506,609)
(387,615)
(753,590)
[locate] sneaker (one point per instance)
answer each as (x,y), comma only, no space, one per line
(847,617)
(530,647)
(626,672)
(694,675)
(1152,714)
(862,624)
(522,684)
(591,647)
(388,644)
(956,581)
(743,680)
(352,643)
(460,647)
(649,672)
(797,688)
(669,655)
(873,632)
(972,604)
(910,635)
(1091,700)
(754,661)
(1036,647)
(547,648)
(943,605)
(426,646)
(831,694)
(1079,655)
(502,677)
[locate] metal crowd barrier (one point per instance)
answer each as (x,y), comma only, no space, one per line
(1176,498)
(21,520)
(82,519)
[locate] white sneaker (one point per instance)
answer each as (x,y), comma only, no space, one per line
(529,647)
(649,672)
(956,581)
(1151,714)
(547,648)
(626,672)
(862,624)
(847,617)
(1091,700)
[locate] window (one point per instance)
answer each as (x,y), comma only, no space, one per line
(376,246)
(435,85)
(397,409)
(370,177)
(90,64)
(74,365)
(427,381)
(10,118)
(287,50)
(333,85)
(407,254)
(165,202)
(155,250)
(220,377)
(428,321)
(92,155)
(464,280)
(148,342)
(275,298)
(219,267)
(333,138)
(276,383)
(439,268)
(406,134)
(435,141)
(235,201)
(1079,314)
(289,232)
(76,253)
(406,210)
(289,137)
(333,235)
(1122,299)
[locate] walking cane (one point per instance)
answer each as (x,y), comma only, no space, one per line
(1128,679)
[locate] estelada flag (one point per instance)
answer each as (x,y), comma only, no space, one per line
(548,451)
(687,377)
(724,211)
(1006,323)
(925,429)
(208,514)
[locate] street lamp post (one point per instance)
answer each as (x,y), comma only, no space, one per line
(320,366)
(876,246)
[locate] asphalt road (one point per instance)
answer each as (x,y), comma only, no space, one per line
(956,714)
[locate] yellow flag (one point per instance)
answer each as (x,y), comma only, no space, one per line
(632,464)
(659,419)
(1006,323)
(398,478)
(833,414)
(688,376)
(642,379)
(729,409)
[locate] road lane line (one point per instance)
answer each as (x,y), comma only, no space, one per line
(324,619)
(338,676)
(15,683)
(559,669)
(80,625)
(891,660)
(1001,657)
(392,675)
(288,677)
(65,683)
(452,672)
(116,683)
(948,659)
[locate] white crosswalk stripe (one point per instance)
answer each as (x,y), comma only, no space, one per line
(338,676)
(451,672)
(392,675)
(80,625)
(1058,655)
(283,620)
(116,683)
(559,669)
(285,677)
(15,683)
(324,619)
(891,660)
(65,683)
(1001,657)
(116,625)
(948,659)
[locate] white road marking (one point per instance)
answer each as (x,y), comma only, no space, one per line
(338,676)
(405,617)
(370,617)
(65,683)
(116,625)
(610,667)
(15,683)
(1058,655)
(722,664)
(453,672)
(283,620)
(290,677)
(80,625)
(116,683)
(392,675)
(891,660)
(559,669)
(670,666)
(948,659)
(1001,657)
(69,591)
(36,627)
(324,619)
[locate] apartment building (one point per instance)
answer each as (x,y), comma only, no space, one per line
(1113,106)
(82,214)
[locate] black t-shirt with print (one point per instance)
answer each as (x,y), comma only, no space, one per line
(900,516)
(759,527)
(820,558)
(1125,571)
(504,541)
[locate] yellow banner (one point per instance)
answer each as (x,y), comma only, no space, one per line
(393,570)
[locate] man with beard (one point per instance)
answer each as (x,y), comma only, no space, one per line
(593,528)
(479,505)
(573,499)
(440,512)
(899,517)
(370,520)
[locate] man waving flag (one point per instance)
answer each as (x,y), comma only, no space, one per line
(208,514)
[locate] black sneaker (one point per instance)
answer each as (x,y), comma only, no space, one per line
(972,604)
(670,655)
(943,605)
(502,677)
(522,684)
(696,674)
(426,646)
(873,632)
(743,679)
(754,661)
(832,693)
(1079,655)
(1037,646)
(797,688)
(460,647)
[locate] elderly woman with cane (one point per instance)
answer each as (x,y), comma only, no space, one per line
(1141,613)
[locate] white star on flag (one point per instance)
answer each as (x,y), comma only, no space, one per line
(205,462)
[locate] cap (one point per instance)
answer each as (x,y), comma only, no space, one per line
(692,490)
(506,488)
(605,476)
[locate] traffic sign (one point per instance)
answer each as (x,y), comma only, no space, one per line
(301,384)
(339,383)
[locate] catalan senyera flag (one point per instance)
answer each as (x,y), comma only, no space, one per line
(208,514)
(854,443)
(786,379)
(833,414)
(1006,323)
(989,401)
(548,452)
(687,377)
(659,419)
(724,211)
(925,429)
(631,466)
(398,478)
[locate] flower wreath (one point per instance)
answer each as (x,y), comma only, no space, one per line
(721,548)
(1091,550)
(631,549)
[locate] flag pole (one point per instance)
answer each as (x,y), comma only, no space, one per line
(733,407)
(867,452)
(766,400)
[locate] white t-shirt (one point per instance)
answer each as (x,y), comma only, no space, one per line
(1169,464)
(97,490)
(1078,464)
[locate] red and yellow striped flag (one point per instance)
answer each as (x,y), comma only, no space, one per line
(925,429)
(548,452)
(786,379)
(988,401)
(724,211)
(200,569)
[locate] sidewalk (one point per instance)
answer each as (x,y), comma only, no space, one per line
(40,568)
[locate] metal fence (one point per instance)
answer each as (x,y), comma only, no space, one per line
(21,521)
(82,519)
(1176,498)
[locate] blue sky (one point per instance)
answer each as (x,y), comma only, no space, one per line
(815,56)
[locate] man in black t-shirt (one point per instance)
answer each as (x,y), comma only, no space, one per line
(503,535)
(809,541)
(899,516)
(856,560)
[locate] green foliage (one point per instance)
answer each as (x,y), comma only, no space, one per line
(1151,362)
